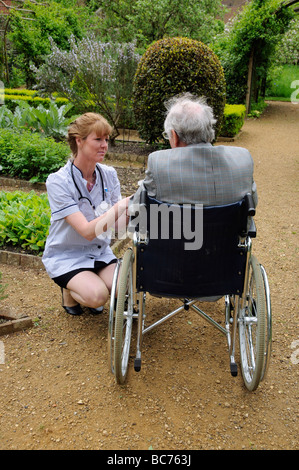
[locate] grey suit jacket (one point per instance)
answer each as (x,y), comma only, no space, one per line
(201,173)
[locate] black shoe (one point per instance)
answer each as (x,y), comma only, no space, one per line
(74,310)
(96,311)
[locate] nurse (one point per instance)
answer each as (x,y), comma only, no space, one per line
(86,210)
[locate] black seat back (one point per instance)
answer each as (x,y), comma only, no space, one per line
(171,264)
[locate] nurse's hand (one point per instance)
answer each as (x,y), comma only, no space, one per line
(123,204)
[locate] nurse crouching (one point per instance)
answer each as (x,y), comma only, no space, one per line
(86,206)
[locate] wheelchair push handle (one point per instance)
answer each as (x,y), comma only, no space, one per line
(250,207)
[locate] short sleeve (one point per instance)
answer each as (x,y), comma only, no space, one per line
(61,201)
(113,185)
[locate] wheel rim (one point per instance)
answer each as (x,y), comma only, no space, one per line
(123,319)
(252,328)
(112,313)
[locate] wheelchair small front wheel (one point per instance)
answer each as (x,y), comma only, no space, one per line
(123,318)
(252,328)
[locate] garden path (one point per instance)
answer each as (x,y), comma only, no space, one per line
(57,392)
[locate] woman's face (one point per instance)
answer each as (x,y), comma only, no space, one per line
(93,147)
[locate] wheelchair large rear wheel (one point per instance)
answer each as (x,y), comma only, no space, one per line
(253,328)
(123,318)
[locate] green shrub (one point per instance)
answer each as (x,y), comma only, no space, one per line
(30,156)
(170,67)
(233,119)
(24,220)
(12,101)
(12,97)
(19,91)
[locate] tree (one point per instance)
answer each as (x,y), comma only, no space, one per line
(246,48)
(147,21)
(29,36)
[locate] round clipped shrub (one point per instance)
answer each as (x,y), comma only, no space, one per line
(169,67)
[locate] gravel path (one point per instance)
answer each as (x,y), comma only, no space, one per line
(58,393)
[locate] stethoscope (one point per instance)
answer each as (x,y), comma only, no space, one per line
(84,197)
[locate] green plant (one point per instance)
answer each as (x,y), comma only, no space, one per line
(233,119)
(24,220)
(30,156)
(12,98)
(280,81)
(21,117)
(93,75)
(53,121)
(29,40)
(147,21)
(251,37)
(169,67)
(287,51)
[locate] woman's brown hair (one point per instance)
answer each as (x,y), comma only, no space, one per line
(85,125)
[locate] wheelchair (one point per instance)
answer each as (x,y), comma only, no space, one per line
(218,265)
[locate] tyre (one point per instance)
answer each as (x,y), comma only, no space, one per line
(112,313)
(268,329)
(253,328)
(123,318)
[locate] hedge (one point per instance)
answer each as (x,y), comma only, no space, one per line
(170,67)
(11,96)
(233,119)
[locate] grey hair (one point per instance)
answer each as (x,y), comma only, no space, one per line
(191,118)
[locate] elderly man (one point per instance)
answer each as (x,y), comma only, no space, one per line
(193,170)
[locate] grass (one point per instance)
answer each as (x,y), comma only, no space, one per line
(282,84)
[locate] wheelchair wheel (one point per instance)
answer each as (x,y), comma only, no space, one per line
(268,331)
(123,319)
(112,313)
(252,328)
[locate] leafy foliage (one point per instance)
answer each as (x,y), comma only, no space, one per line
(287,50)
(30,39)
(92,75)
(50,122)
(29,156)
(11,100)
(148,21)
(233,119)
(255,30)
(169,67)
(24,220)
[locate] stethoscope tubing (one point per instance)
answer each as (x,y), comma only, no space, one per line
(80,194)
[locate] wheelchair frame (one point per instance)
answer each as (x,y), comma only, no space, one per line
(248,313)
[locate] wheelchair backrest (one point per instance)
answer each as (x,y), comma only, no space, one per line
(192,251)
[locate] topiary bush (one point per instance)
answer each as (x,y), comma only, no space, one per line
(169,67)
(233,119)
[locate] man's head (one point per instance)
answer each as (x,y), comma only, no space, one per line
(189,120)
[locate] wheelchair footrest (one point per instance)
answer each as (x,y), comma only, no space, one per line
(137,364)
(233,369)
